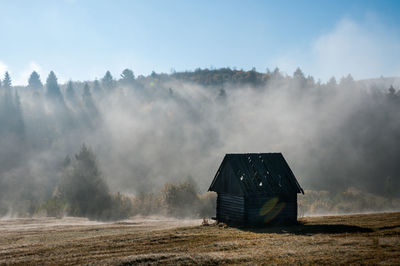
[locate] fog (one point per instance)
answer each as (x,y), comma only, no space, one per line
(148,131)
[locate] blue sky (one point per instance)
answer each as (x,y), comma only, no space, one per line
(80,39)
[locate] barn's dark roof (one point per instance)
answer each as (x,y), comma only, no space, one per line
(255,173)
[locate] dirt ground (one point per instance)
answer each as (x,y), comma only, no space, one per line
(354,239)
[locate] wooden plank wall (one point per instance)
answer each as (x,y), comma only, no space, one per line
(230,209)
(256,210)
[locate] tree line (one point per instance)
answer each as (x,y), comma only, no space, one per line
(156,129)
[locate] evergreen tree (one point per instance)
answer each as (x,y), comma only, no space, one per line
(86,91)
(89,103)
(96,87)
(298,76)
(276,73)
(251,77)
(392,91)
(70,91)
(11,115)
(347,81)
(19,122)
(108,81)
(310,81)
(53,90)
(332,82)
(392,94)
(7,89)
(127,77)
(34,82)
(7,81)
(84,188)
(17,100)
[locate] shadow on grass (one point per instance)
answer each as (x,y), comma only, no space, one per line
(388,227)
(308,229)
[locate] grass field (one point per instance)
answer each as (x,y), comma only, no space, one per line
(363,238)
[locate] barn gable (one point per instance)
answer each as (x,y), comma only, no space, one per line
(227,181)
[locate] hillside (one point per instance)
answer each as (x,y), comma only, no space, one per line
(339,137)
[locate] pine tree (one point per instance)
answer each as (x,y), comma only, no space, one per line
(86,91)
(96,87)
(7,81)
(89,103)
(84,188)
(299,78)
(108,81)
(347,81)
(276,73)
(7,89)
(332,82)
(53,90)
(310,81)
(19,121)
(391,90)
(392,94)
(34,82)
(70,91)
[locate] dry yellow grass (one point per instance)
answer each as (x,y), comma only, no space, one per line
(354,239)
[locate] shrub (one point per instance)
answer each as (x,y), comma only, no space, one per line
(54,207)
(147,204)
(180,200)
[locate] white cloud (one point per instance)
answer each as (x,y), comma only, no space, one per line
(365,50)
(22,78)
(3,69)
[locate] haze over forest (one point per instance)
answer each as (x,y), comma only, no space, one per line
(147,131)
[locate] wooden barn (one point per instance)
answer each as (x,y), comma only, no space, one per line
(255,189)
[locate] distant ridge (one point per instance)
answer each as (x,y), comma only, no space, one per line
(384,82)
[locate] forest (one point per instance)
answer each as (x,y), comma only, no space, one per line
(148,144)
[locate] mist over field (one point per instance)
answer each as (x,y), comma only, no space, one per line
(145,132)
(117,116)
